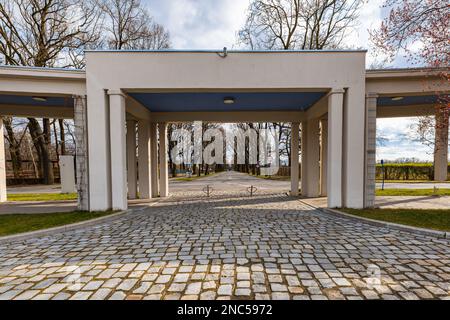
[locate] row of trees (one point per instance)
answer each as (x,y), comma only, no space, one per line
(230,147)
(49,33)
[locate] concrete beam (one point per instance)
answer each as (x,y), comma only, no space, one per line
(137,110)
(228,117)
(319,109)
(57,112)
(405,111)
(42,81)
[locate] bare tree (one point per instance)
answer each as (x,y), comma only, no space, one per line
(298,24)
(45,33)
(41,33)
(129,25)
(425,23)
(13,146)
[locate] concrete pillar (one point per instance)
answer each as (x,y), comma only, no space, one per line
(145,188)
(3,197)
(371,146)
(323,156)
(81,152)
(335,143)
(131,159)
(99,165)
(163,165)
(295,130)
(310,158)
(118,150)
(154,160)
(354,146)
(441,145)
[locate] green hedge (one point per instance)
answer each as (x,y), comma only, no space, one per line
(407,171)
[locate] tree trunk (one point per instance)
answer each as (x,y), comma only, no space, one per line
(41,144)
(62,137)
(14,148)
(55,135)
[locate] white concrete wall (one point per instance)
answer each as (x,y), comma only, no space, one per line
(206,71)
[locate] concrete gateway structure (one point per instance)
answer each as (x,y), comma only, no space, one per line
(329,93)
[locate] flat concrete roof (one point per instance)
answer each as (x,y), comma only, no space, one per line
(228,51)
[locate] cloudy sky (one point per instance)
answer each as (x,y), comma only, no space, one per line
(213,24)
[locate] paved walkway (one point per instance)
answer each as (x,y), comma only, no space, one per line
(230,181)
(229,246)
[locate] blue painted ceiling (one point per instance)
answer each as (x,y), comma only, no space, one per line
(214,101)
(28,100)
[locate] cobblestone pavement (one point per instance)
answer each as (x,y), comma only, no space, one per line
(227,247)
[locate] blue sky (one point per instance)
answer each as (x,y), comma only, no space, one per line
(212,24)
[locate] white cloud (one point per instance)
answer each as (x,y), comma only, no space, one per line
(209,24)
(200,24)
(398,145)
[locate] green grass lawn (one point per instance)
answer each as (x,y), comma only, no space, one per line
(42,197)
(430,219)
(19,223)
(277,178)
(413,192)
(194,177)
(410,181)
